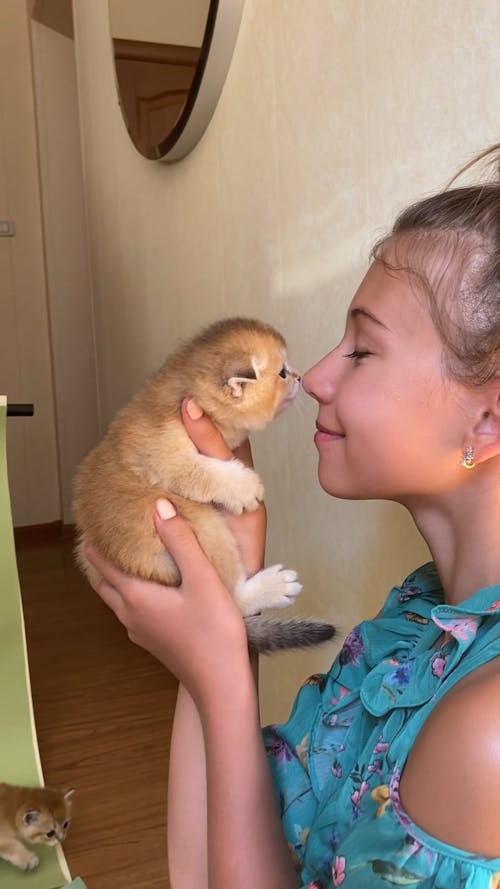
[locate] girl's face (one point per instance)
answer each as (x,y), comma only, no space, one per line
(391,424)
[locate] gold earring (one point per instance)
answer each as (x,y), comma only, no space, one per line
(467,460)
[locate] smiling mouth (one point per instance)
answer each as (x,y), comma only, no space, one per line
(321,428)
(324,434)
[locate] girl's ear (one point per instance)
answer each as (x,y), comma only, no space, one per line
(486,433)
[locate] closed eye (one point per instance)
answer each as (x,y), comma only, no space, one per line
(357,355)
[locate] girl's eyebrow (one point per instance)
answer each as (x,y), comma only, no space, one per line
(360,310)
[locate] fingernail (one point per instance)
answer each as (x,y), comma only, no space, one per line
(194,410)
(165,509)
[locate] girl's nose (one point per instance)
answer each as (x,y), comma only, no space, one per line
(307,381)
(318,380)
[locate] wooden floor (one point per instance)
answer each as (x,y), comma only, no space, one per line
(103,710)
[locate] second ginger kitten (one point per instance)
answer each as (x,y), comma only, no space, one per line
(33,815)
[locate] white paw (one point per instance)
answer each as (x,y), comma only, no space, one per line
(274,587)
(242,490)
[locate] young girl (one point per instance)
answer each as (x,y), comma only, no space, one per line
(388,771)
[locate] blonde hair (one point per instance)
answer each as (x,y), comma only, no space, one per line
(450,244)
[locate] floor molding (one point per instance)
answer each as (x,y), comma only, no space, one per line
(31,535)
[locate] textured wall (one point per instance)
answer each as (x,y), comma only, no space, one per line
(334,115)
(66,255)
(25,346)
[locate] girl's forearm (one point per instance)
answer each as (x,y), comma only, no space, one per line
(246,845)
(187,799)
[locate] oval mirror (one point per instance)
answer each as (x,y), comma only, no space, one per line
(171,61)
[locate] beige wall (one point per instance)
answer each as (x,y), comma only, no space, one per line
(66,253)
(46,332)
(25,347)
(334,115)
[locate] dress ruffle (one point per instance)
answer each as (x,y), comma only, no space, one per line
(336,763)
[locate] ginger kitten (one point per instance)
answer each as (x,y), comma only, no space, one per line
(33,815)
(237,372)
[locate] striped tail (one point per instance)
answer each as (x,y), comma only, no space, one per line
(267,634)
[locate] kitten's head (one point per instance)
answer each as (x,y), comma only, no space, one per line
(45,816)
(243,377)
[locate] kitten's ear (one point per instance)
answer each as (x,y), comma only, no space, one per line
(67,794)
(31,817)
(237,383)
(237,375)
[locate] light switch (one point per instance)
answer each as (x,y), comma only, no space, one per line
(7,228)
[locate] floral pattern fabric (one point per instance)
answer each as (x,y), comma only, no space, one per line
(337,762)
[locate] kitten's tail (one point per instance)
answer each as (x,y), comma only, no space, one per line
(266,634)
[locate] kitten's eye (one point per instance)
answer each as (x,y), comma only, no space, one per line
(283,373)
(50,834)
(66,825)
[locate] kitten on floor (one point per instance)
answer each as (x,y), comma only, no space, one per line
(237,372)
(33,815)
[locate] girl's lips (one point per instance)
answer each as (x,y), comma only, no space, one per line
(323,434)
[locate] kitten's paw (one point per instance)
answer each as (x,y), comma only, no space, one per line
(274,587)
(242,490)
(33,862)
(28,861)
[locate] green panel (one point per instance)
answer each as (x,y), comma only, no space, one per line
(19,758)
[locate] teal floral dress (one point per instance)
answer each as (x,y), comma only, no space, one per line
(336,763)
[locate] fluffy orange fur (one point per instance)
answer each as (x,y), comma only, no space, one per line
(34,815)
(237,372)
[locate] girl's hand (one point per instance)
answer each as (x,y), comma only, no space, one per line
(249,528)
(196,629)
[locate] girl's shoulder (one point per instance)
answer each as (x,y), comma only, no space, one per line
(457,754)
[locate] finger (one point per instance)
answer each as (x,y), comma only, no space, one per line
(244,453)
(181,542)
(110,596)
(203,433)
(110,573)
